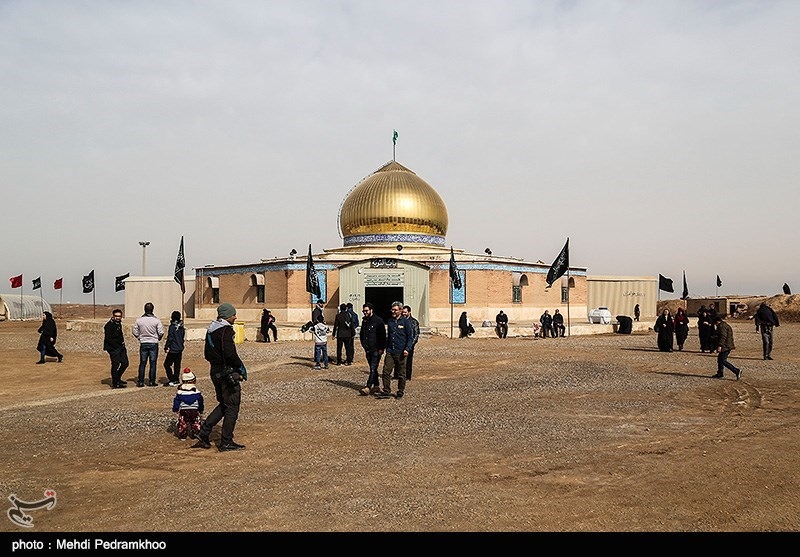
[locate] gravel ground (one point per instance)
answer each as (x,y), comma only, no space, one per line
(594,433)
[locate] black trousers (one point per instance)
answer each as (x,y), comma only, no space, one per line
(172,365)
(265,332)
(766,339)
(349,349)
(119,363)
(227,411)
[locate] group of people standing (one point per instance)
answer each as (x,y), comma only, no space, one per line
(148,331)
(671,330)
(394,341)
(714,333)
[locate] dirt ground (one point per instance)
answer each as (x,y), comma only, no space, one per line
(598,433)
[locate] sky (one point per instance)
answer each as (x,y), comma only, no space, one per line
(660,137)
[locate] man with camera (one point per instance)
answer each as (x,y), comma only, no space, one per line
(227,372)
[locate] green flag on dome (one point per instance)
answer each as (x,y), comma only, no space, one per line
(394,137)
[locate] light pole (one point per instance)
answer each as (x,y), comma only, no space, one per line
(144,257)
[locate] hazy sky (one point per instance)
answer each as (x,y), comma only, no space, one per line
(659,136)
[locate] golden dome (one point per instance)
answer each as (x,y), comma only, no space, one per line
(393,205)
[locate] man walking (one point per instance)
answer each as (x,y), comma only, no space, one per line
(414,326)
(766,319)
(148,330)
(373,340)
(398,345)
(114,344)
(227,371)
(343,331)
(724,347)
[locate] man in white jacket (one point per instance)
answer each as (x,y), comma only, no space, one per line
(148,330)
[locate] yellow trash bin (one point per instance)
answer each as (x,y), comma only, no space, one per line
(238,333)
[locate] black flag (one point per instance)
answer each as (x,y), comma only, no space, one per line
(719,281)
(180,265)
(559,266)
(786,289)
(665,284)
(88,282)
(685,288)
(312,281)
(454,276)
(37,283)
(119,282)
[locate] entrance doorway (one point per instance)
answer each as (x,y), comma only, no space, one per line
(382,298)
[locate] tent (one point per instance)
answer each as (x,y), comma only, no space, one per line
(14,307)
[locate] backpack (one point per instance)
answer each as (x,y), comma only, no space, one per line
(355,322)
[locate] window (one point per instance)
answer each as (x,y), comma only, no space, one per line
(564,294)
(260,293)
(516,294)
(213,284)
(459,295)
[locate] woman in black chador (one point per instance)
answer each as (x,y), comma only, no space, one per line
(464,326)
(47,338)
(705,330)
(681,327)
(665,327)
(267,325)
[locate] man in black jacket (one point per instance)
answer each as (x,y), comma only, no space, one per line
(501,320)
(414,324)
(227,372)
(114,344)
(398,345)
(373,340)
(766,319)
(343,332)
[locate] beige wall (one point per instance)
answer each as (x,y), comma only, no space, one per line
(620,294)
(490,291)
(163,292)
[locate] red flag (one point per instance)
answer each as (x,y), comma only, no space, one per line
(16,281)
(57,284)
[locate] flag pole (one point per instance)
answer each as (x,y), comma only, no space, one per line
(568,320)
(451,308)
(94,303)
